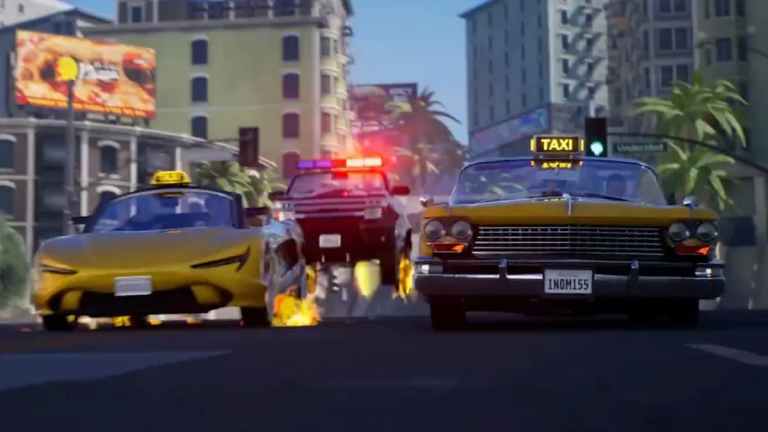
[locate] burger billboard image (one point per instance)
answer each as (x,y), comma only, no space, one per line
(109,78)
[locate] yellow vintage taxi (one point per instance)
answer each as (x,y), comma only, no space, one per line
(172,248)
(560,233)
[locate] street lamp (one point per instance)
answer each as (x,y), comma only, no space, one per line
(67,71)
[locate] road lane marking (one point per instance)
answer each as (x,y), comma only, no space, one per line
(738,355)
(21,370)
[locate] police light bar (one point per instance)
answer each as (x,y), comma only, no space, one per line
(557,145)
(331,164)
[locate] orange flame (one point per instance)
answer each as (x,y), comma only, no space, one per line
(291,311)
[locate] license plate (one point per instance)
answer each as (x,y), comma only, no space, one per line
(328,241)
(568,281)
(133,286)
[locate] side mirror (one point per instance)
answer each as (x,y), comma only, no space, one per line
(426,201)
(401,190)
(276,196)
(690,201)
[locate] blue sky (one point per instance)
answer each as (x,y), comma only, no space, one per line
(399,41)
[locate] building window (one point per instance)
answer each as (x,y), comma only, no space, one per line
(723,50)
(108,155)
(291,86)
(588,20)
(590,67)
(540,20)
(590,41)
(522,5)
(200,52)
(200,127)
(6,200)
(6,152)
(492,114)
(490,18)
(218,10)
(591,90)
(742,48)
(566,90)
(683,73)
(741,8)
(646,40)
(524,100)
(681,6)
(681,39)
(200,89)
(326,122)
(722,8)
(325,84)
(566,65)
(744,90)
(325,46)
(291,48)
(665,40)
(564,42)
(665,6)
(137,14)
(291,127)
(707,56)
(564,17)
(667,76)
(283,8)
(647,76)
(645,7)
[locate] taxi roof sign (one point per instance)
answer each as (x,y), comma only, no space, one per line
(171,178)
(557,145)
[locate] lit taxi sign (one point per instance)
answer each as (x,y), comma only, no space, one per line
(557,145)
(166,178)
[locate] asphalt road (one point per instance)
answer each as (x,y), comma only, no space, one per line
(502,373)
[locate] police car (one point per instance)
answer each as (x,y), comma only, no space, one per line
(348,212)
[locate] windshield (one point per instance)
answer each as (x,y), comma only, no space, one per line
(164,209)
(518,179)
(330,184)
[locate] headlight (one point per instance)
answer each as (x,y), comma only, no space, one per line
(56,269)
(678,232)
(434,231)
(707,232)
(462,231)
(373,213)
(238,259)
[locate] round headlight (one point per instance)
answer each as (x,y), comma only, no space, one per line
(461,231)
(434,231)
(678,232)
(707,232)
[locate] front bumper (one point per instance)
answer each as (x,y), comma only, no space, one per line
(611,279)
(359,239)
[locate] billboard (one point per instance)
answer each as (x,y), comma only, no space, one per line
(376,102)
(521,127)
(110,78)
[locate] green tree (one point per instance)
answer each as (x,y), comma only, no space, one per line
(14,268)
(422,119)
(253,185)
(704,112)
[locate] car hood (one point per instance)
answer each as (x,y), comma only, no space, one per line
(147,248)
(580,211)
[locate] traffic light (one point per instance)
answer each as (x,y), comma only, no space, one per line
(249,147)
(596,135)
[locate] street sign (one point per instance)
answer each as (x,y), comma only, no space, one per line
(640,147)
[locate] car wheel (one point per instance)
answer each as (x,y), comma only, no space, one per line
(447,315)
(254,316)
(685,313)
(58,323)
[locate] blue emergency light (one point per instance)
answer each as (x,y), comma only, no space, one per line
(330,164)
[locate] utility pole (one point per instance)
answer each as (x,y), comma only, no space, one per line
(69,168)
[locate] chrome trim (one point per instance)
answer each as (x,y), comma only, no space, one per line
(531,276)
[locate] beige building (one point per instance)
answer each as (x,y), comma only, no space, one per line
(280,65)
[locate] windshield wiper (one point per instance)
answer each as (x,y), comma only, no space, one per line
(546,194)
(599,195)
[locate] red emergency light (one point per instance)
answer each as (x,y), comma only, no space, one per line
(332,164)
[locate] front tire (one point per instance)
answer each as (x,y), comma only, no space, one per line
(254,317)
(447,315)
(58,323)
(685,313)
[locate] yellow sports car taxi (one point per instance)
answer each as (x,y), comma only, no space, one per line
(171,248)
(557,232)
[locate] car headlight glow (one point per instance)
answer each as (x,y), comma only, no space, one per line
(462,231)
(678,232)
(434,230)
(707,232)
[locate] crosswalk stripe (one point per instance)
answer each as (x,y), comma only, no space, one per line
(738,355)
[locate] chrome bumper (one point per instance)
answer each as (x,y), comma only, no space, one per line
(708,281)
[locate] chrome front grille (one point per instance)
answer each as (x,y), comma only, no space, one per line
(569,240)
(333,208)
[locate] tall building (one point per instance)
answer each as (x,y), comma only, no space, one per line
(279,65)
(15,11)
(533,67)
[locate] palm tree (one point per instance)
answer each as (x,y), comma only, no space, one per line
(13,267)
(253,185)
(422,119)
(707,113)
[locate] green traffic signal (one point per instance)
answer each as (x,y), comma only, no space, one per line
(597,149)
